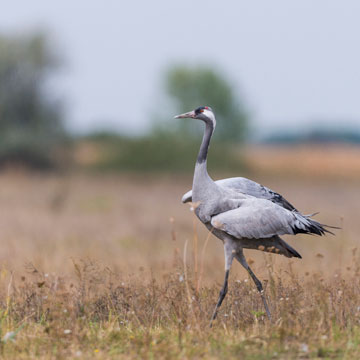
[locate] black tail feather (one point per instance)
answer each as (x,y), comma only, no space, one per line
(314,227)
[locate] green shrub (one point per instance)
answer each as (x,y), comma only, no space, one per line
(159,153)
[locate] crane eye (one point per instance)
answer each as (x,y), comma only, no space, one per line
(201,110)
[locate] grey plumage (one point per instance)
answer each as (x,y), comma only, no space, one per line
(260,218)
(249,187)
(242,213)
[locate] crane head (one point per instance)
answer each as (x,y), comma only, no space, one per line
(203,113)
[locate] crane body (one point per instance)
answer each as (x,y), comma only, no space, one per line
(242,213)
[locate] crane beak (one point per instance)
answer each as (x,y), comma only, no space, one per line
(190,114)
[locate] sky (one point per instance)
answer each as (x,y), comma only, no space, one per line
(296,63)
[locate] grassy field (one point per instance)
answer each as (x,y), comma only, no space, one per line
(114,266)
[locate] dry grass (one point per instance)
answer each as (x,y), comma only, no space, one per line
(103,314)
(93,267)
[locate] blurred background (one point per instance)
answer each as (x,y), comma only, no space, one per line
(92,163)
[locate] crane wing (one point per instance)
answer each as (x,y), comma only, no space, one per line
(248,187)
(261,218)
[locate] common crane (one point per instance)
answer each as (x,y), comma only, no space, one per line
(242,213)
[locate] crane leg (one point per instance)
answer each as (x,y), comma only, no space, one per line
(229,257)
(241,258)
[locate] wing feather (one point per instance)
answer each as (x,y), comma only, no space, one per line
(259,218)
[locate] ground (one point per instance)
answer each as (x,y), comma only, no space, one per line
(114,266)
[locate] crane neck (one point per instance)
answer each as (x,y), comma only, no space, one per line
(203,152)
(201,177)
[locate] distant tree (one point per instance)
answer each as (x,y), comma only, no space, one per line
(31,125)
(193,86)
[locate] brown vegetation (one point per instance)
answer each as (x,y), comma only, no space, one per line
(94,267)
(315,160)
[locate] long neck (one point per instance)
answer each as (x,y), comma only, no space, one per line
(203,152)
(201,176)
